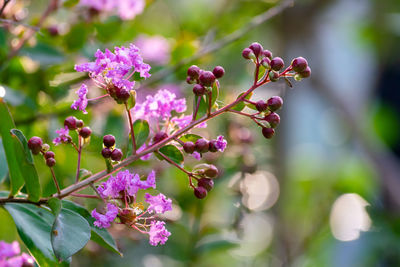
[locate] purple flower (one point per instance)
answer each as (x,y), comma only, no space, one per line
(221,143)
(196,155)
(105,220)
(185,120)
(158,204)
(82,102)
(158,233)
(154,49)
(63,136)
(19,261)
(126,9)
(9,250)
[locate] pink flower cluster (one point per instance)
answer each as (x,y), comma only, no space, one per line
(9,256)
(63,136)
(155,49)
(124,187)
(126,9)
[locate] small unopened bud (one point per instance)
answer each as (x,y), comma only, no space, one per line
(50,162)
(35,144)
(306,73)
(207,78)
(199,89)
(45,147)
(274,103)
(200,192)
(85,132)
(106,152)
(188,147)
(261,105)
(268,132)
(122,95)
(273,76)
(116,155)
(299,64)
(109,140)
(218,72)
(201,145)
(273,119)
(193,72)
(267,54)
(266,62)
(247,53)
(277,63)
(211,172)
(70,122)
(206,183)
(79,123)
(212,146)
(256,48)
(49,154)
(159,137)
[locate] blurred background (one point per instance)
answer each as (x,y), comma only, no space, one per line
(325,191)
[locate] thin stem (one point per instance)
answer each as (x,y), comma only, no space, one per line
(196,108)
(249,101)
(170,161)
(131,128)
(209,103)
(55,180)
(76,148)
(78,169)
(241,113)
(97,97)
(84,196)
(179,141)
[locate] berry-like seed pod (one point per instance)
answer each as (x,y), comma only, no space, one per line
(306,73)
(116,155)
(189,80)
(159,137)
(268,132)
(193,72)
(109,140)
(207,78)
(277,63)
(50,162)
(218,72)
(299,64)
(273,76)
(267,54)
(35,144)
(273,119)
(266,62)
(85,132)
(211,172)
(261,105)
(79,123)
(247,53)
(200,192)
(201,145)
(274,103)
(256,48)
(206,183)
(212,146)
(70,122)
(122,94)
(106,152)
(49,154)
(199,90)
(188,147)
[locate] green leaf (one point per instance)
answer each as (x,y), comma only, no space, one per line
(241,105)
(202,107)
(34,228)
(27,166)
(55,205)
(142,131)
(214,93)
(190,137)
(173,153)
(69,234)
(99,235)
(83,174)
(7,123)
(215,244)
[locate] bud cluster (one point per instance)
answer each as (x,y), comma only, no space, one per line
(203,79)
(204,174)
(35,144)
(109,150)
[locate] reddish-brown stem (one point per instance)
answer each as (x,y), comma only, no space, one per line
(84,195)
(131,128)
(209,103)
(76,148)
(98,97)
(179,141)
(259,124)
(241,113)
(196,108)
(249,101)
(170,161)
(55,180)
(78,168)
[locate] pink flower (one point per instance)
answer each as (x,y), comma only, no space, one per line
(221,143)
(196,155)
(63,136)
(82,102)
(154,49)
(158,233)
(9,250)
(126,9)
(158,204)
(105,220)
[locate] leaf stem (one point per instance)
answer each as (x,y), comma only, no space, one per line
(131,128)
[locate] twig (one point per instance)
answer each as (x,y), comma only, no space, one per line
(170,161)
(131,128)
(55,180)
(4,6)
(79,158)
(9,21)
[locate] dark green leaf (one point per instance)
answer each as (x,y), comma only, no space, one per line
(34,228)
(28,170)
(99,235)
(69,234)
(202,108)
(173,153)
(214,93)
(142,131)
(7,123)
(190,137)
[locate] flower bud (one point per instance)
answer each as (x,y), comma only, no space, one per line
(50,162)
(193,72)
(267,54)
(188,147)
(211,171)
(49,154)
(70,122)
(189,80)
(273,119)
(247,53)
(212,146)
(268,132)
(199,90)
(109,140)
(261,105)
(79,123)
(106,152)
(116,155)
(127,216)
(159,137)
(277,63)
(273,76)
(200,192)
(299,64)
(274,103)
(122,95)
(207,78)
(201,145)
(218,72)
(45,147)
(266,62)
(35,144)
(256,48)
(85,132)
(306,73)
(206,183)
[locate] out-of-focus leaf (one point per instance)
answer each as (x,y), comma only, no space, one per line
(34,229)
(172,152)
(77,36)
(215,243)
(202,107)
(3,162)
(142,131)
(70,3)
(28,170)
(69,234)
(44,54)
(7,123)
(99,235)
(214,93)
(190,137)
